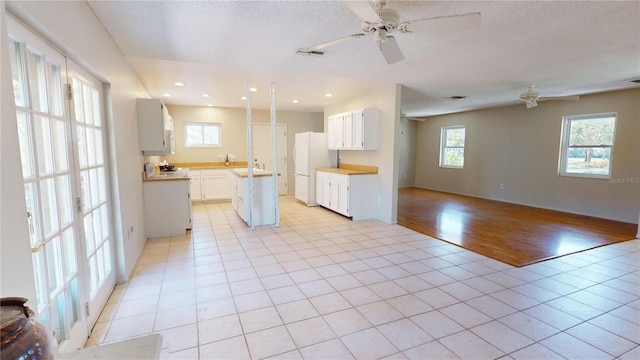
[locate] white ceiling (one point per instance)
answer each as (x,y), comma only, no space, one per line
(215,47)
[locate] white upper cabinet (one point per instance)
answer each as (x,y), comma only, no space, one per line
(155,128)
(354,130)
(336,132)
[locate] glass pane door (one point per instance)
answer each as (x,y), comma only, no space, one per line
(44,132)
(90,144)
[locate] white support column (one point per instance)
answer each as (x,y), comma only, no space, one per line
(250,155)
(274,153)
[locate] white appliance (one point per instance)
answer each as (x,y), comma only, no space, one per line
(310,152)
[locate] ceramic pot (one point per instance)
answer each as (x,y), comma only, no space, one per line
(22,337)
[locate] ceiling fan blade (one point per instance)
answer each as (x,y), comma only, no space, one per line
(565,98)
(327,44)
(443,23)
(363,9)
(391,50)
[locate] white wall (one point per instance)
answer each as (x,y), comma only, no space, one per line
(234,132)
(519,148)
(72,27)
(406,149)
(16,270)
(387,101)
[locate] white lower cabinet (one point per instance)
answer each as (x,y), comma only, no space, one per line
(349,195)
(263,211)
(167,208)
(196,186)
(211,185)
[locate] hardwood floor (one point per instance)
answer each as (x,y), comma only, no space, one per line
(514,234)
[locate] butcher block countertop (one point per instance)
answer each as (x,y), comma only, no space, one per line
(178,175)
(351,169)
(212,165)
(243,173)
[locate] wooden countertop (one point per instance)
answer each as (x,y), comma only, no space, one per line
(178,175)
(351,169)
(243,174)
(212,165)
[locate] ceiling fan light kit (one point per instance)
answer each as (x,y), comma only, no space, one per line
(383,21)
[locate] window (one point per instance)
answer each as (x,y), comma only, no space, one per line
(452,147)
(587,145)
(201,134)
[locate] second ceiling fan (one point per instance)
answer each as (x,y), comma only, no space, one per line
(530,97)
(382,21)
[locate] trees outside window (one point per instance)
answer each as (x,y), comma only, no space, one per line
(587,145)
(452,146)
(202,134)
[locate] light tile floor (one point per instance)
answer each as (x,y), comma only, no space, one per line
(323,287)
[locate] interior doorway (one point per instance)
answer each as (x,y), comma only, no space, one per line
(262,151)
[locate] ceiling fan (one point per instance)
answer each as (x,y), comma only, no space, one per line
(404,117)
(382,21)
(531,98)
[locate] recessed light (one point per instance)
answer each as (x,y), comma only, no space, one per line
(209,105)
(253,89)
(166,95)
(328,95)
(295,101)
(206,95)
(243,98)
(181,84)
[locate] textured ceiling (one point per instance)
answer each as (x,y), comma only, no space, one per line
(216,47)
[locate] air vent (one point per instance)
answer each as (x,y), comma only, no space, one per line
(457,97)
(637,81)
(310,53)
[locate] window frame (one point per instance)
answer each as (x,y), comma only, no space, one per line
(202,125)
(565,138)
(444,147)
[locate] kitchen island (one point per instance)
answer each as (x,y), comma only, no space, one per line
(263,211)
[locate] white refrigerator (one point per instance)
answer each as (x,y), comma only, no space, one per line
(310,152)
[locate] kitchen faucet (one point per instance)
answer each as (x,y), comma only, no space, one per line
(259,166)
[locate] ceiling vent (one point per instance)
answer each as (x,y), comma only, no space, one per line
(457,97)
(636,81)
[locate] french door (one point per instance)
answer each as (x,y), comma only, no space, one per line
(63,166)
(89,132)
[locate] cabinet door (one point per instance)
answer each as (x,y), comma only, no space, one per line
(215,187)
(319,191)
(334,195)
(196,188)
(343,198)
(336,132)
(326,192)
(358,129)
(349,131)
(152,122)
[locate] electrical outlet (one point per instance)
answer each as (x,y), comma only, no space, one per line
(501,186)
(379,200)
